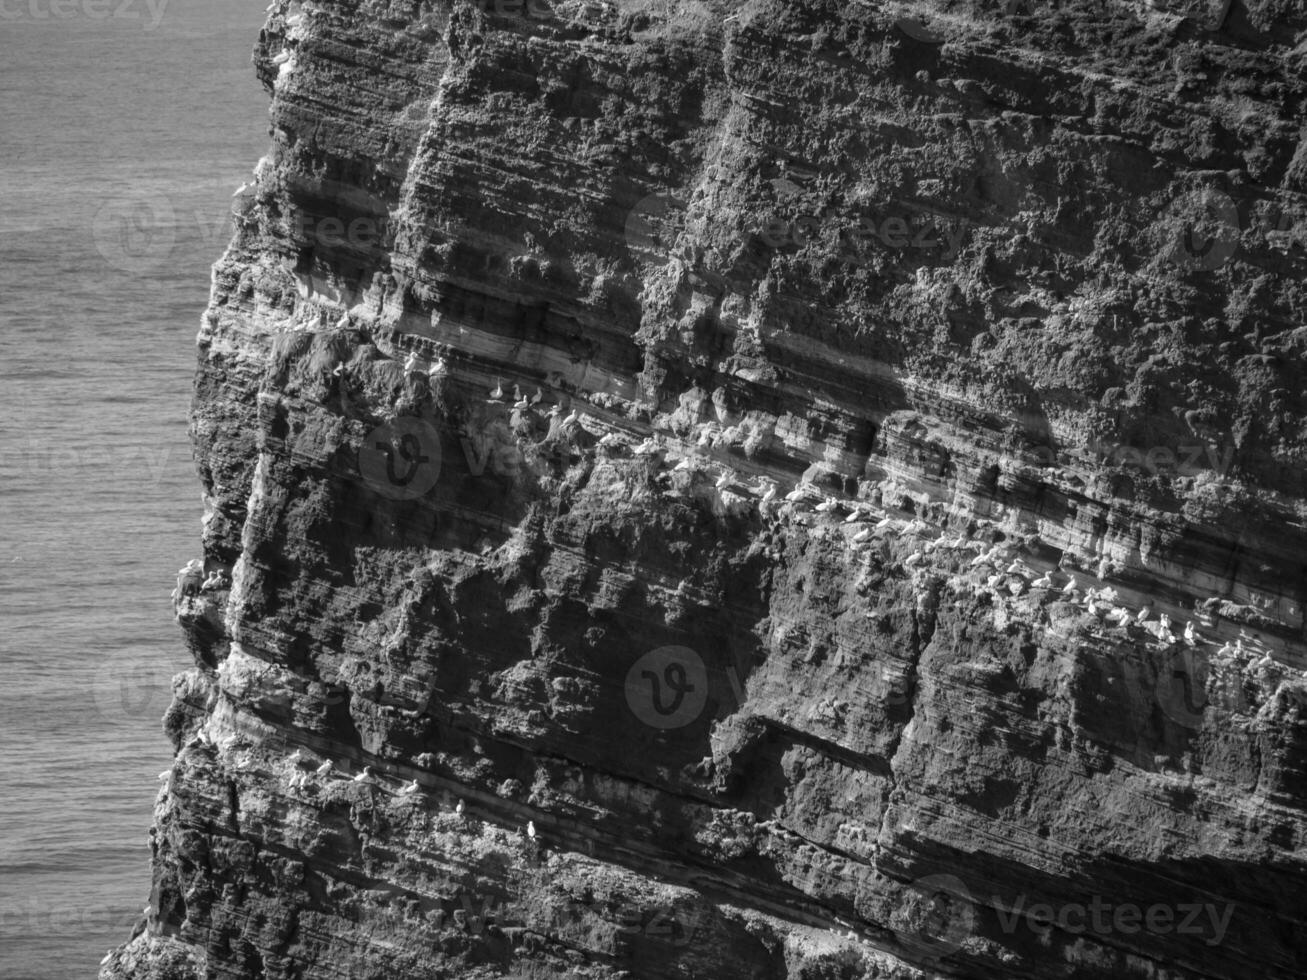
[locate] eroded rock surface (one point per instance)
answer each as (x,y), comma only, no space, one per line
(834,472)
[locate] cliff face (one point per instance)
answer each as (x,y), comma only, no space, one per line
(706,435)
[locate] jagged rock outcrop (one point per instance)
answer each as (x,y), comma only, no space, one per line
(772,452)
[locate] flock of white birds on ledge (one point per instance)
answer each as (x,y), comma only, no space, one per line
(295,17)
(1007,573)
(304,769)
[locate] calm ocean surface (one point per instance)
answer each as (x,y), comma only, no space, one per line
(120,146)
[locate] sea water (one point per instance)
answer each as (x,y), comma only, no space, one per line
(121,140)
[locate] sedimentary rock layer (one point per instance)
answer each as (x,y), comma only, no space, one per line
(759,490)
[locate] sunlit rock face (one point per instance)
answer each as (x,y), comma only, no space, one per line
(751,491)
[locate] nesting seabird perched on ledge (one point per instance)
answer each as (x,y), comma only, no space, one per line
(650,447)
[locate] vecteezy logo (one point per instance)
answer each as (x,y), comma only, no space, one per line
(1203,229)
(937,917)
(654,223)
(401,459)
(918,31)
(1182,687)
(133,686)
(134,233)
(667,687)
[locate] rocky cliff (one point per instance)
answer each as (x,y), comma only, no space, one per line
(751,490)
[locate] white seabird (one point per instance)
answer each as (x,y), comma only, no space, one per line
(1143,614)
(324,769)
(538,397)
(827,505)
(648,447)
(531,829)
(283,58)
(437,368)
(725,480)
(883,524)
(242,189)
(863,535)
(913,558)
(497,392)
(459,808)
(411,364)
(365,776)
(409,788)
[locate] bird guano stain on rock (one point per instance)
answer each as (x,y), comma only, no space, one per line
(823,614)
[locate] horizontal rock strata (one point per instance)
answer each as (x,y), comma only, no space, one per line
(751,491)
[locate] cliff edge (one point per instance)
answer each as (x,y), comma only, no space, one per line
(751,490)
